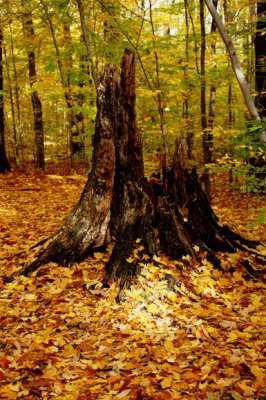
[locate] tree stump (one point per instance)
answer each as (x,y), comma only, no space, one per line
(118,204)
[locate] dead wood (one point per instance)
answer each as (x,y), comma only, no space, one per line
(118,204)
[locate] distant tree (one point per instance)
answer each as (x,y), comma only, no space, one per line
(35,99)
(260,55)
(77,146)
(14,99)
(208,131)
(203,107)
(254,114)
(4,164)
(62,64)
(230,115)
(234,60)
(186,112)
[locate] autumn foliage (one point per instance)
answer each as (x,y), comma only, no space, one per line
(63,335)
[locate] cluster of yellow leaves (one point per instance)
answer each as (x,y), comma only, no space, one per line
(63,336)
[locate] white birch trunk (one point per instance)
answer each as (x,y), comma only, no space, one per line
(236,65)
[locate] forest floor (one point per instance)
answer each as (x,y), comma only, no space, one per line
(63,336)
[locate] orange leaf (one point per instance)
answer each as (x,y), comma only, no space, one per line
(4,362)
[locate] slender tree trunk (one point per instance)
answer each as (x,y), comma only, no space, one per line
(212,93)
(235,62)
(4,164)
(68,67)
(250,36)
(18,142)
(76,139)
(17,133)
(208,133)
(61,68)
(35,99)
(230,119)
(260,59)
(186,101)
(14,123)
(190,4)
(203,107)
(87,43)
(158,88)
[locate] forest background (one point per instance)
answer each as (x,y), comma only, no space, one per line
(185,83)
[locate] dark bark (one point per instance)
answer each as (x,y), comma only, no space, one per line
(258,161)
(118,204)
(260,57)
(131,209)
(4,164)
(87,226)
(186,116)
(209,152)
(35,99)
(203,108)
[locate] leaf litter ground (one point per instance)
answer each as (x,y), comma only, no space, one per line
(63,336)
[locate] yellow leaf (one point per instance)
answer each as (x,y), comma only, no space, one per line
(98,256)
(136,380)
(152,308)
(50,372)
(154,269)
(233,336)
(257,301)
(145,382)
(14,286)
(168,344)
(130,260)
(258,372)
(15,387)
(176,375)
(166,382)
(6,392)
(225,382)
(30,296)
(244,385)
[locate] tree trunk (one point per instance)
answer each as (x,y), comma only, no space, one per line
(17,130)
(12,106)
(203,107)
(118,204)
(87,226)
(87,43)
(186,116)
(76,139)
(61,69)
(260,55)
(4,164)
(235,62)
(35,99)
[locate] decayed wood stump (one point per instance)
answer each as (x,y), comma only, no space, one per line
(118,204)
